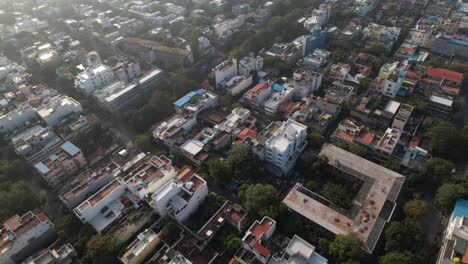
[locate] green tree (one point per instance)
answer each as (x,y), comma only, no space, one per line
(315,140)
(398,257)
(102,249)
(170,232)
(447,194)
(337,194)
(260,199)
(414,208)
(17,198)
(405,235)
(232,243)
(346,248)
(437,169)
(446,141)
(220,171)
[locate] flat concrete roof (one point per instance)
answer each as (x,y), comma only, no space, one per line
(372,207)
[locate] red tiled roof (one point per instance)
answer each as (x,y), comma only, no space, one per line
(258,87)
(12,223)
(247,132)
(446,74)
(261,249)
(185,175)
(42,217)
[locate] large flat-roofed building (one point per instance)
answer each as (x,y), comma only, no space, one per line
(67,160)
(121,95)
(372,207)
(22,236)
(17,118)
(155,52)
(196,101)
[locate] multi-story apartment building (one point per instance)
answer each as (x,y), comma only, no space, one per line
(17,118)
(57,253)
(281,143)
(57,108)
(306,82)
(22,236)
(180,197)
(196,101)
(271,106)
(225,71)
(144,244)
(258,95)
(455,237)
(63,163)
(249,64)
(94,78)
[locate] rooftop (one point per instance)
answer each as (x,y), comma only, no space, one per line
(372,208)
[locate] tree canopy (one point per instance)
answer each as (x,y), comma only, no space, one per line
(346,248)
(414,208)
(260,199)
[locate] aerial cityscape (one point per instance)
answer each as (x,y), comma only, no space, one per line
(234,132)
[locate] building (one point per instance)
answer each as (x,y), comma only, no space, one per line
(298,251)
(62,164)
(143,245)
(127,71)
(238,84)
(392,85)
(276,99)
(168,131)
(115,164)
(256,237)
(155,52)
(306,82)
(180,197)
(24,235)
(281,143)
(379,34)
(455,237)
(120,96)
(372,207)
(235,121)
(57,253)
(440,105)
(250,64)
(258,95)
(35,144)
(94,78)
(106,205)
(339,72)
(387,145)
(150,175)
(448,81)
(338,93)
(17,118)
(225,71)
(402,117)
(319,58)
(287,52)
(316,113)
(196,101)
(58,108)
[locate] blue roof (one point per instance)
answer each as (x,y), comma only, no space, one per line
(186,98)
(277,88)
(461,209)
(42,168)
(53,157)
(71,149)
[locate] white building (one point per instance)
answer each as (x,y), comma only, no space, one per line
(17,118)
(306,82)
(284,144)
(317,59)
(104,207)
(150,176)
(57,108)
(55,254)
(225,71)
(234,121)
(164,132)
(145,244)
(181,197)
(249,64)
(94,78)
(299,251)
(238,84)
(392,85)
(23,235)
(127,72)
(271,106)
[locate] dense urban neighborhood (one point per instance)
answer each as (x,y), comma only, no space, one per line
(234,131)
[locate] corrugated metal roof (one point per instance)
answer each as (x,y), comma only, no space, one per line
(71,149)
